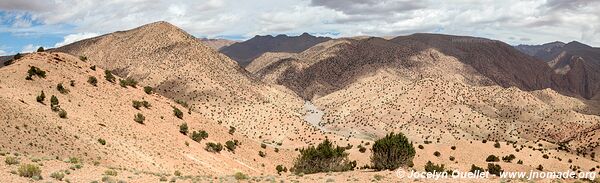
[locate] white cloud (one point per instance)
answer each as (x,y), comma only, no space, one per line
(74,38)
(3,53)
(30,48)
(536,20)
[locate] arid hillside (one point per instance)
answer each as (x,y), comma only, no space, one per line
(245,52)
(92,126)
(180,67)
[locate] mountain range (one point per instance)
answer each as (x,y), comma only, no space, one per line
(154,103)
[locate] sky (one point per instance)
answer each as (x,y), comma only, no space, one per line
(26,25)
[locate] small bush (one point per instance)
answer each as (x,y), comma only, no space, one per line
(497,144)
(128,82)
(17,56)
(264,146)
(62,113)
(177,112)
(453,147)
(177,173)
(58,176)
(540,168)
(212,147)
(148,89)
(520,162)
(323,158)
(40,49)
(451,158)
(492,158)
(93,67)
(231,145)
(111,172)
(40,98)
(494,169)
(280,168)
(199,136)
(476,169)
(362,149)
(437,154)
(433,168)
(391,152)
(102,141)
(545,156)
(139,118)
(508,158)
(53,100)
(82,58)
(10,160)
(146,104)
(183,128)
(262,154)
(136,104)
(240,176)
(421,147)
(231,130)
(93,81)
(34,71)
(182,103)
(29,170)
(109,76)
(61,88)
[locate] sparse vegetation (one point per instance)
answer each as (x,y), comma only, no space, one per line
(240,176)
(92,80)
(102,141)
(82,58)
(323,158)
(213,147)
(61,88)
(509,158)
(492,158)
(40,98)
(262,154)
(111,172)
(433,168)
(11,160)
(128,82)
(29,170)
(494,169)
(199,136)
(58,176)
(476,169)
(109,76)
(230,145)
(62,113)
(139,118)
(183,128)
(93,67)
(177,112)
(391,152)
(497,144)
(280,168)
(231,130)
(148,89)
(34,71)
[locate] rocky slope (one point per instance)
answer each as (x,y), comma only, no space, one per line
(105,113)
(181,68)
(245,52)
(217,44)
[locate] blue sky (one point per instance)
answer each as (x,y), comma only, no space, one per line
(28,24)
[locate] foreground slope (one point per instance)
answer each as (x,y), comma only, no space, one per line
(105,112)
(181,68)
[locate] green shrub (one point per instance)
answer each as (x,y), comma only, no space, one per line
(40,98)
(494,169)
(323,158)
(362,149)
(177,173)
(183,128)
(492,158)
(199,136)
(520,162)
(146,104)
(72,83)
(264,146)
(476,169)
(93,67)
(17,56)
(262,154)
(29,170)
(62,113)
(61,88)
(391,152)
(230,145)
(40,49)
(177,112)
(545,156)
(136,104)
(280,168)
(82,58)
(421,147)
(58,176)
(437,154)
(508,158)
(102,141)
(128,82)
(212,147)
(240,176)
(139,118)
(53,100)
(34,71)
(148,89)
(111,172)
(109,76)
(497,144)
(540,168)
(451,158)
(182,103)
(93,81)
(433,168)
(10,160)
(231,130)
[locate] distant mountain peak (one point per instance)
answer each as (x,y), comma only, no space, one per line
(576,45)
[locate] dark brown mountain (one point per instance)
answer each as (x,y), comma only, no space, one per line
(245,52)
(578,63)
